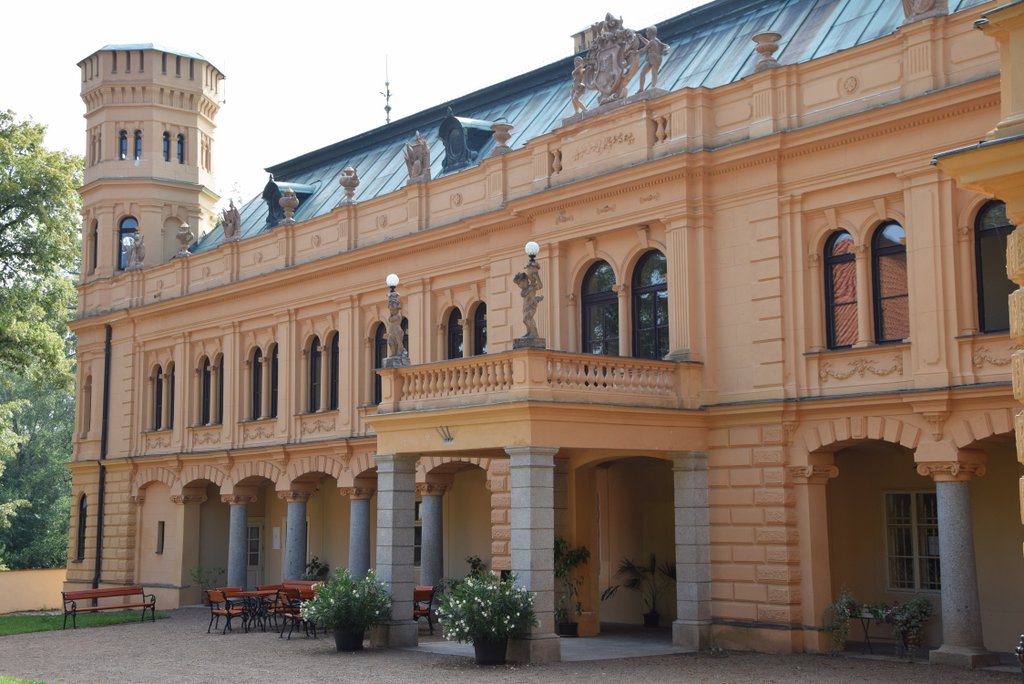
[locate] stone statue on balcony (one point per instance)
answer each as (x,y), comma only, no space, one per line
(578,86)
(136,253)
(529,284)
(398,355)
(654,51)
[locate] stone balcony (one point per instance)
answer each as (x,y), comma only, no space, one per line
(540,375)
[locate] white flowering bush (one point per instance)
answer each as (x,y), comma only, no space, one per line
(347,603)
(486,608)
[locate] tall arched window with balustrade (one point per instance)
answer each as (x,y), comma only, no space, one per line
(650,306)
(480,329)
(600,311)
(840,291)
(991,230)
(314,369)
(454,335)
(889,275)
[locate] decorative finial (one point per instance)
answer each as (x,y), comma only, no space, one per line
(185,238)
(502,131)
(349,181)
(387,93)
(289,202)
(767,44)
(529,284)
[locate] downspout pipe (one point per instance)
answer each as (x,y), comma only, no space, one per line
(104,433)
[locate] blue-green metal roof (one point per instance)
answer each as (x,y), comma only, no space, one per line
(710,47)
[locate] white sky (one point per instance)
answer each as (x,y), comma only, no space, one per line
(299,76)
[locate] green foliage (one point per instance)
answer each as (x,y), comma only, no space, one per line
(35,479)
(206,578)
(348,603)
(910,616)
(567,580)
(647,580)
(316,570)
(842,610)
(25,624)
(486,607)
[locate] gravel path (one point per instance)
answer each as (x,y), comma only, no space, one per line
(179,650)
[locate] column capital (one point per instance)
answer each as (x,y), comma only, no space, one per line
(237,499)
(188,498)
(356,493)
(295,495)
(951,471)
(431,489)
(541,451)
(812,474)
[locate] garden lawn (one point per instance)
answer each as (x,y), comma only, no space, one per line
(24,624)
(14,680)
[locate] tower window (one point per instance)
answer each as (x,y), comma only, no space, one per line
(125,237)
(181,148)
(122,145)
(138,145)
(177,66)
(167,146)
(163,62)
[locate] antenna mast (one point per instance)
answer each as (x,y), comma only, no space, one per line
(387,93)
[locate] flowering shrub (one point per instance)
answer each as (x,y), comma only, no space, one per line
(486,608)
(347,603)
(906,618)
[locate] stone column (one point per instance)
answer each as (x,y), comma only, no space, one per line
(238,529)
(294,562)
(358,530)
(625,316)
(532,477)
(809,485)
(265,384)
(432,547)
(692,627)
(864,333)
(962,642)
(396,503)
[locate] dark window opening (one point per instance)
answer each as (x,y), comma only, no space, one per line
(273,382)
(138,145)
(480,329)
(256,395)
(889,273)
(314,370)
(455,335)
(991,230)
(83,510)
(160,536)
(840,291)
(650,307)
(122,145)
(158,399)
(333,367)
(600,311)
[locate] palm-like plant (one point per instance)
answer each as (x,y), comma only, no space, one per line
(648,580)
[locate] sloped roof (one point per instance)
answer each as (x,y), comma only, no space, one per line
(710,46)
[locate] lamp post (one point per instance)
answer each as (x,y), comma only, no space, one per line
(529,284)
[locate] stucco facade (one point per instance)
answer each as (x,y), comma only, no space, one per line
(807,408)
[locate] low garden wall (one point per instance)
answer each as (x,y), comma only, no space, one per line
(22,590)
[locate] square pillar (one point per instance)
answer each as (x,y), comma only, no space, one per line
(396,503)
(532,477)
(692,627)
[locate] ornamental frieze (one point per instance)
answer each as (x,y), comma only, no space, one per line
(860,368)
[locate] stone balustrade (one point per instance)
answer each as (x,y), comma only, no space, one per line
(540,375)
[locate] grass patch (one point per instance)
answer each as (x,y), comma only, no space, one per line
(25,624)
(4,679)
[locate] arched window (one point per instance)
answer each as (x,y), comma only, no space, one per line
(256,385)
(167,146)
(889,273)
(380,352)
(314,370)
(333,367)
(840,291)
(480,329)
(991,230)
(122,145)
(169,372)
(205,390)
(181,148)
(650,307)
(125,237)
(94,243)
(273,381)
(138,145)
(600,311)
(158,398)
(455,334)
(83,511)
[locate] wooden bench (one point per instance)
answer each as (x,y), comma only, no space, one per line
(72,601)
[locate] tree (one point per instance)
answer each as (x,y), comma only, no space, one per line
(39,228)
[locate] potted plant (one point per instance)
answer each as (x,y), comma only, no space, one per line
(567,585)
(645,580)
(349,605)
(908,620)
(486,611)
(206,578)
(316,570)
(844,608)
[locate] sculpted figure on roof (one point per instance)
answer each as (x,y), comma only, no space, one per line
(232,222)
(654,50)
(136,252)
(613,59)
(417,159)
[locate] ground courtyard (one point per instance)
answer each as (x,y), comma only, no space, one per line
(179,649)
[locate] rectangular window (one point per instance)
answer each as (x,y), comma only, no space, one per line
(160,536)
(417,539)
(912,531)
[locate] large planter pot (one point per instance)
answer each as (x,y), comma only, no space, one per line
(652,619)
(348,640)
(568,629)
(490,651)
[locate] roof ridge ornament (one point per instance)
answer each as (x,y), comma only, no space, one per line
(417,160)
(611,62)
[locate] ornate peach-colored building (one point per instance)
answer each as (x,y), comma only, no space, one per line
(773,346)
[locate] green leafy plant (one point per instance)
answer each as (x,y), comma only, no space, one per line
(909,618)
(648,580)
(316,570)
(486,608)
(206,578)
(568,580)
(349,603)
(843,608)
